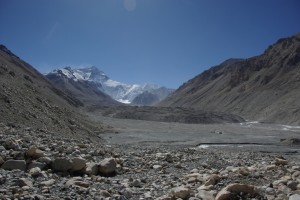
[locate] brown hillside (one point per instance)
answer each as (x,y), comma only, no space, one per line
(28,99)
(264,88)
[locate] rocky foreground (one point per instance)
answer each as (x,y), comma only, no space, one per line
(38,165)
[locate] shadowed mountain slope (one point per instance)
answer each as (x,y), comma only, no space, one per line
(264,88)
(27,98)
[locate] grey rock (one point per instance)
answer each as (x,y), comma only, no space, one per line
(78,164)
(62,164)
(1,161)
(36,164)
(48,182)
(25,182)
(292,185)
(14,164)
(34,152)
(294,197)
(207,195)
(91,168)
(36,171)
(107,166)
(180,192)
(45,160)
(77,181)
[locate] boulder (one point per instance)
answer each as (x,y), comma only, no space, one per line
(24,182)
(294,197)
(36,171)
(212,179)
(1,161)
(207,195)
(34,152)
(36,164)
(107,166)
(235,188)
(14,164)
(62,164)
(47,183)
(91,168)
(279,161)
(180,192)
(77,181)
(78,164)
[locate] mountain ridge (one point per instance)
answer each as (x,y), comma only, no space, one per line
(121,92)
(263,87)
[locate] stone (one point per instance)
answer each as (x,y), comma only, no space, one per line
(156,167)
(136,183)
(194,198)
(165,197)
(38,197)
(181,192)
(34,152)
(47,183)
(105,193)
(207,195)
(78,164)
(36,164)
(226,192)
(279,161)
(14,164)
(270,191)
(25,182)
(292,185)
(212,180)
(62,164)
(91,168)
(207,188)
(77,181)
(296,175)
(35,171)
(294,197)
(107,166)
(45,160)
(270,167)
(1,161)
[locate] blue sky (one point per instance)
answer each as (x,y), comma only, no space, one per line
(165,42)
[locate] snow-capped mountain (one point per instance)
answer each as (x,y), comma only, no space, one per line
(122,92)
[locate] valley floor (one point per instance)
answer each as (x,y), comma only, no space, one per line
(152,160)
(248,136)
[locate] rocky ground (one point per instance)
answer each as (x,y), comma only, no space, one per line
(35,165)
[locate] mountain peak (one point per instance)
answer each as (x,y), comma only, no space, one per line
(121,92)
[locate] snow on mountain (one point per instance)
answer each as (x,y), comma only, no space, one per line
(121,92)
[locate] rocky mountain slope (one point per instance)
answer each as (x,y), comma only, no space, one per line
(28,99)
(98,80)
(263,88)
(146,98)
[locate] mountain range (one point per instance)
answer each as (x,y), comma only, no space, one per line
(91,84)
(262,88)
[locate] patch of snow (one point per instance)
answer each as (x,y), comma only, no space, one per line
(112,83)
(78,76)
(124,101)
(67,73)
